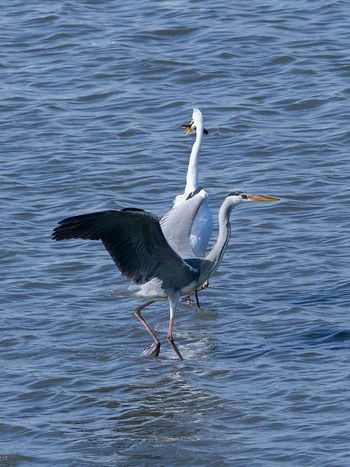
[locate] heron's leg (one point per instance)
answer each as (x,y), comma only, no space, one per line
(152,349)
(197,299)
(173,304)
(195,293)
(171,340)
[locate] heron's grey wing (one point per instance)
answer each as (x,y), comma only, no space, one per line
(134,240)
(177,223)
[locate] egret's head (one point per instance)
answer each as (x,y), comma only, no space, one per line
(196,122)
(238,197)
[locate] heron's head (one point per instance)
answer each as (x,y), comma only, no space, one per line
(238,197)
(196,122)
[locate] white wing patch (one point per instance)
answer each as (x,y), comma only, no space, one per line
(152,290)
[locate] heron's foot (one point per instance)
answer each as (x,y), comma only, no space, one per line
(195,293)
(188,298)
(202,287)
(152,349)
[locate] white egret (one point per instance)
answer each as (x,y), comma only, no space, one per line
(202,224)
(174,220)
(137,245)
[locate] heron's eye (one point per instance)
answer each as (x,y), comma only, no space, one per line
(244,196)
(235,193)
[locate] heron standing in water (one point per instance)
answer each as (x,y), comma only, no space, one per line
(135,240)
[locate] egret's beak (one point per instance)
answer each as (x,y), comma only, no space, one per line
(262,198)
(189,128)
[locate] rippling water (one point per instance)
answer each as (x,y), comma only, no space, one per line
(93,94)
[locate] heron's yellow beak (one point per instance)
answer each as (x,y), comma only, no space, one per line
(262,198)
(188,128)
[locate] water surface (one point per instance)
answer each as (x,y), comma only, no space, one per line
(93,96)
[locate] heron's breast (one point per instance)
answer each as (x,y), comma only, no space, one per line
(152,290)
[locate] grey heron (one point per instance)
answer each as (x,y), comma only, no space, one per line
(134,239)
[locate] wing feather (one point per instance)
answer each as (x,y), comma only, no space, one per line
(185,221)
(136,243)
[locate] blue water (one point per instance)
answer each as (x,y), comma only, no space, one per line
(92,98)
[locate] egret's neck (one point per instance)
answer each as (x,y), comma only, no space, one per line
(192,171)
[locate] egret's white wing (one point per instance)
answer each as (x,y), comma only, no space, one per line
(183,222)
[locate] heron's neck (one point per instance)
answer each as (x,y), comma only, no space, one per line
(192,171)
(217,252)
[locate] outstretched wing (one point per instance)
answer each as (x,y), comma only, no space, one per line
(188,225)
(135,242)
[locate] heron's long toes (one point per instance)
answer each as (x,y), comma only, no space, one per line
(152,349)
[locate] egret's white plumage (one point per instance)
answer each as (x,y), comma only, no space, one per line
(202,223)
